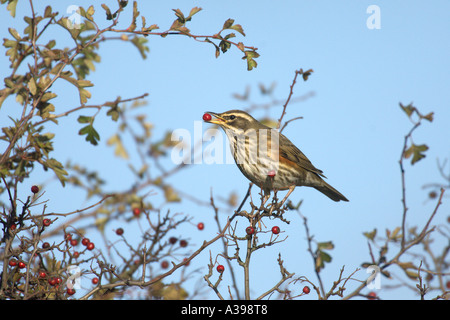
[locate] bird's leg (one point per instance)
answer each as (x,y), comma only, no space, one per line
(266,197)
(291,189)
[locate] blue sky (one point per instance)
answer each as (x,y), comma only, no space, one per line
(352,128)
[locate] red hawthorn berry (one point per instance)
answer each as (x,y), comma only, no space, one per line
(276,230)
(90,246)
(165,264)
(42,274)
(68,236)
(200,226)
(173,240)
(52,281)
(306,290)
(71,291)
(45,245)
(183,243)
(22,265)
(76,254)
(187,262)
(207,117)
(94,280)
(47,222)
(136,212)
(12,263)
(13,227)
(250,230)
(119,231)
(74,242)
(271,173)
(220,268)
(85,241)
(35,189)
(371,295)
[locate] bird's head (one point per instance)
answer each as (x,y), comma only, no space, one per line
(233,120)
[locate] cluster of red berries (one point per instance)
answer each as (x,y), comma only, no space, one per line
(74,242)
(250,230)
(52,281)
(14,262)
(172,240)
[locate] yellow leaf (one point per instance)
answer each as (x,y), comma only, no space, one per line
(170,194)
(120,149)
(32,86)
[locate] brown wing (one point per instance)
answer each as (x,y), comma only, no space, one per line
(289,151)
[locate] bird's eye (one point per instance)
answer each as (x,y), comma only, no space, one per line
(232,117)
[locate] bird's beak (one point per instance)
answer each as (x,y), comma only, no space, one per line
(218,119)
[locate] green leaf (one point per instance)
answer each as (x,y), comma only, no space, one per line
(44,110)
(224,46)
(113,113)
(322,258)
(58,169)
(84,119)
(251,64)
(250,55)
(91,134)
(140,44)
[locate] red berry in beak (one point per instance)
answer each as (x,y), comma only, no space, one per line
(207,117)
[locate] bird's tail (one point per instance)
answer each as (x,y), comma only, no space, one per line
(330,192)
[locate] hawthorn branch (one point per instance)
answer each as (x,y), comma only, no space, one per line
(175,267)
(291,92)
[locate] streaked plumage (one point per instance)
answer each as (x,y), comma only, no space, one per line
(269,159)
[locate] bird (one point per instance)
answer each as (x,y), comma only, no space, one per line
(267,158)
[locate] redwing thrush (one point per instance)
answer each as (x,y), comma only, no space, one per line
(267,158)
